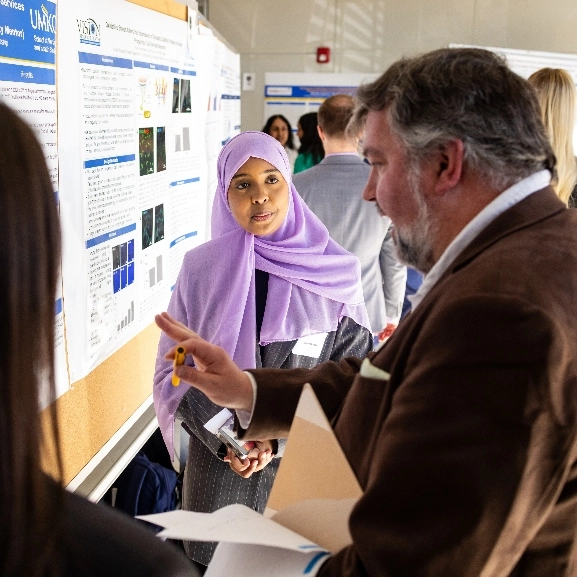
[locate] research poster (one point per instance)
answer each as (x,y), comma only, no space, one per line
(229,94)
(132,118)
(28,85)
(293,94)
(222,73)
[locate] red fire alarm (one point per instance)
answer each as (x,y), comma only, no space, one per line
(323,54)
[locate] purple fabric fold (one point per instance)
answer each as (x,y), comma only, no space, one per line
(313,281)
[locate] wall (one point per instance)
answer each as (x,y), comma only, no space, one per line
(367,35)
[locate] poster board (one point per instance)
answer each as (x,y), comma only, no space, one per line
(120,94)
(293,94)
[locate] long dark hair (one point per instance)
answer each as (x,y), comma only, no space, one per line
(29,259)
(266,129)
(311,141)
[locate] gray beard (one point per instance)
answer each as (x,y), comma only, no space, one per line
(414,243)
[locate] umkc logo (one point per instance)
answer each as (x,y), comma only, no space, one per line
(89,31)
(43,20)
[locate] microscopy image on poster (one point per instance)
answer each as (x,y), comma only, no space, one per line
(185,95)
(160,149)
(175,94)
(146,150)
(122,266)
(142,82)
(115,257)
(159,223)
(147,227)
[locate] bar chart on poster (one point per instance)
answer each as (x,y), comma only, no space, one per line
(131,102)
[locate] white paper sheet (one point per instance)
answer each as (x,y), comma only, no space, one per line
(298,538)
(235,523)
(252,560)
(214,424)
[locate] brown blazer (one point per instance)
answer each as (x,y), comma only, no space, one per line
(467,454)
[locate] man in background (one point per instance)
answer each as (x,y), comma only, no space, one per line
(333,191)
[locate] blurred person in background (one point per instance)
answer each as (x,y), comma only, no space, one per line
(311,150)
(280,128)
(557,99)
(333,191)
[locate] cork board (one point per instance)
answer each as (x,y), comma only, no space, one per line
(165,6)
(97,406)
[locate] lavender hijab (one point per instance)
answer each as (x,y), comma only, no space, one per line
(313,281)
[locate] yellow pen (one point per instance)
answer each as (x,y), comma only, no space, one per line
(178,360)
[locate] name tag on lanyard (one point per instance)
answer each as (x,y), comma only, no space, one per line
(310,346)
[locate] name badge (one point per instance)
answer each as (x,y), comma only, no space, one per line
(310,346)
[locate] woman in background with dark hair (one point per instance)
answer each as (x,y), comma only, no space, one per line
(45,530)
(280,129)
(311,150)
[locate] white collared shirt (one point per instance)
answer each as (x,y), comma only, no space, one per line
(503,202)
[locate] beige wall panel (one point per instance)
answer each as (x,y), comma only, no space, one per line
(275,26)
(538,25)
(165,6)
(368,35)
(443,22)
(490,23)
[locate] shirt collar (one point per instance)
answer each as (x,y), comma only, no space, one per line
(508,198)
(342,154)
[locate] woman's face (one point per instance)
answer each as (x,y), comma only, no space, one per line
(279,130)
(258,197)
(300,132)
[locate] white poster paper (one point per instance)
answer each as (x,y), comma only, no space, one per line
(132,141)
(28,85)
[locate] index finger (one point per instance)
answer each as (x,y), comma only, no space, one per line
(173,328)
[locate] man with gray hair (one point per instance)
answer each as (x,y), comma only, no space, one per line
(462,429)
(332,190)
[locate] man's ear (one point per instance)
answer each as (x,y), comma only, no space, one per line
(321,132)
(449,165)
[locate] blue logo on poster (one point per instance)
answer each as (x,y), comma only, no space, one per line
(28,33)
(89,31)
(42,20)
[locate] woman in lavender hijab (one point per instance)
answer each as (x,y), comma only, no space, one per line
(269,277)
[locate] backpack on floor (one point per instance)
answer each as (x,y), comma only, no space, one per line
(145,487)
